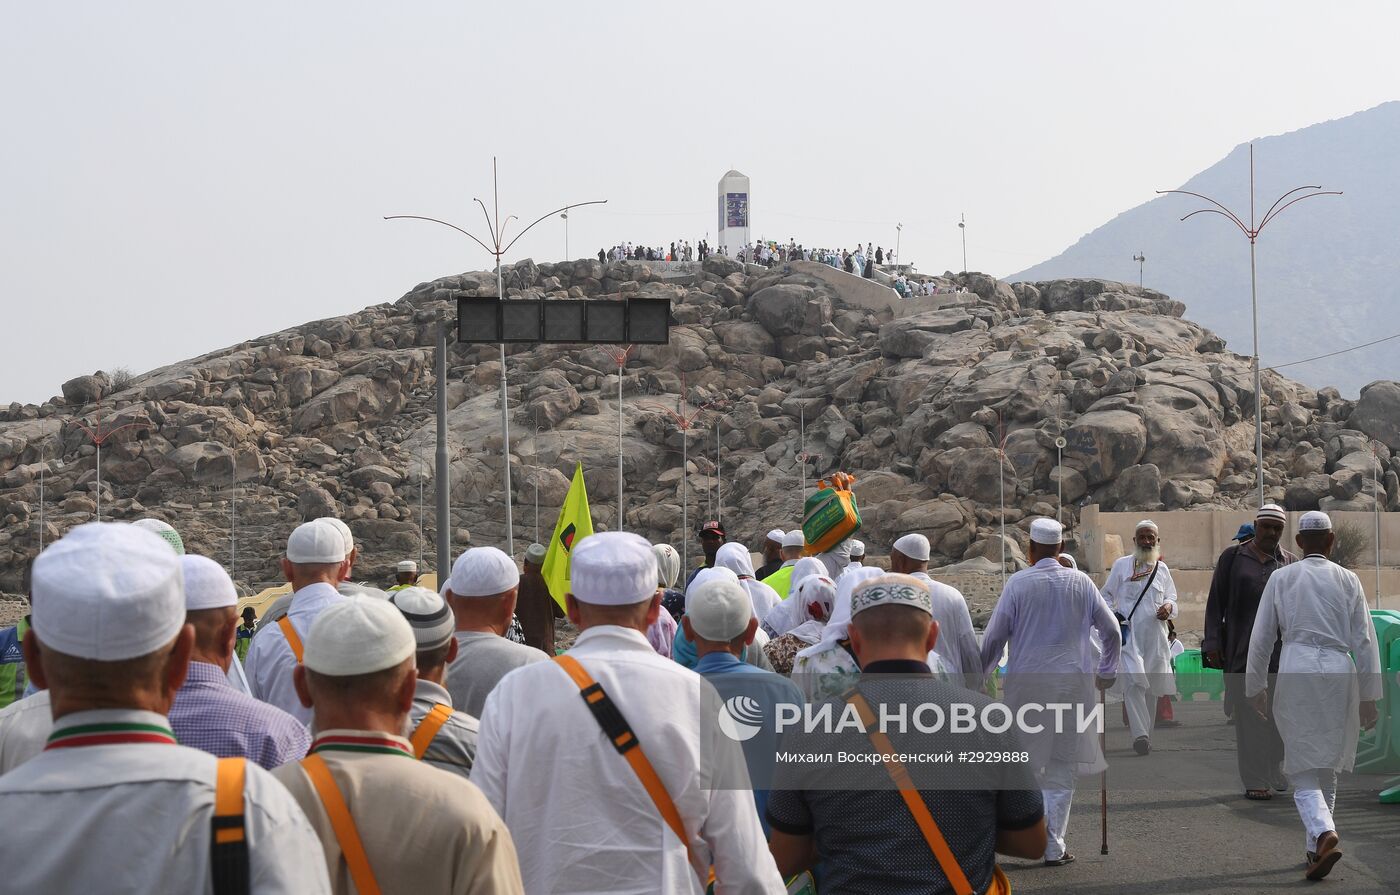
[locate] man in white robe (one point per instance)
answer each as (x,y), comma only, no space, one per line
(956,650)
(1323,696)
(1140,589)
(1046,614)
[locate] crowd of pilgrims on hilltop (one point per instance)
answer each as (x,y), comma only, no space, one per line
(352,739)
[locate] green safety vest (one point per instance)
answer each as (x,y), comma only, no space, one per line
(781,580)
(13,677)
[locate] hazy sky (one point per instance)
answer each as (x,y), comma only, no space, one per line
(177,177)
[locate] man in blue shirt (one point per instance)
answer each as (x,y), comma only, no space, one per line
(720,622)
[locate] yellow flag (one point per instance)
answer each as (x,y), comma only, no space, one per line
(575,523)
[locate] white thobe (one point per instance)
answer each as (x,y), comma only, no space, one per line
(1318,609)
(24,727)
(136,817)
(957,643)
(270,661)
(1046,614)
(581,821)
(1145,665)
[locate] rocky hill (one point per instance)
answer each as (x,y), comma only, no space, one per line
(1327,267)
(336,416)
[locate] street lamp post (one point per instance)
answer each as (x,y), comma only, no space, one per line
(1140,258)
(1252,231)
(565,216)
(99,436)
(496,230)
(898,232)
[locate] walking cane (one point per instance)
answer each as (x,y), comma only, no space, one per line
(1103,776)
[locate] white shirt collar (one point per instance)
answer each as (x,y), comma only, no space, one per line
(611,637)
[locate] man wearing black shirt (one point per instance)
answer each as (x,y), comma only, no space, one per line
(1240,575)
(866,838)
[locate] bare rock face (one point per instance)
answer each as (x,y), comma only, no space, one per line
(771,380)
(1378,413)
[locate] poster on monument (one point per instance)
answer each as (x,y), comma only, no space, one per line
(736,209)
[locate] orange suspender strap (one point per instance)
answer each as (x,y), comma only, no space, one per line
(615,726)
(428,727)
(293,639)
(342,824)
(900,775)
(228,847)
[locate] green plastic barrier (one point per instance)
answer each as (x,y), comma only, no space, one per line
(1378,750)
(1192,677)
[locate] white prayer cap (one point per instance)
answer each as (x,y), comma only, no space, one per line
(165,530)
(535,554)
(668,564)
(207,585)
(1047,532)
(613,568)
(315,542)
(891,590)
(1315,520)
(427,614)
(108,591)
(407,565)
(776,535)
(857,548)
(1147,524)
(1272,511)
(344,530)
(1065,558)
(794,538)
(358,636)
(914,546)
(720,609)
(705,575)
(483,572)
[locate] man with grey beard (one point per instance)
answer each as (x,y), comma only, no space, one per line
(1140,590)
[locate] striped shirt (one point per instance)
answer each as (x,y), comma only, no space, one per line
(211,715)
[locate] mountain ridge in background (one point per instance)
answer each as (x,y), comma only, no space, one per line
(1327,267)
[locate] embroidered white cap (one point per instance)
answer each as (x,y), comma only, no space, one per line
(613,568)
(315,542)
(407,565)
(794,538)
(427,614)
(1315,520)
(108,591)
(207,585)
(719,609)
(483,572)
(358,636)
(891,590)
(915,546)
(1047,532)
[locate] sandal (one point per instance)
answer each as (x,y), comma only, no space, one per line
(1258,795)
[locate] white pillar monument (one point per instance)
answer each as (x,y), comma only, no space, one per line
(733,212)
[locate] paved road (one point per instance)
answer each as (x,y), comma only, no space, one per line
(1184,826)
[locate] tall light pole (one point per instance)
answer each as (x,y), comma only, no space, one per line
(898,232)
(565,216)
(619,354)
(496,229)
(962,228)
(1140,258)
(1252,231)
(99,436)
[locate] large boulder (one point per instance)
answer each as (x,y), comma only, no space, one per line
(746,338)
(787,309)
(1378,413)
(1103,443)
(208,463)
(981,474)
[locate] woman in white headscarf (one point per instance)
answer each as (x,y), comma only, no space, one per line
(814,599)
(735,558)
(662,632)
(828,668)
(788,613)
